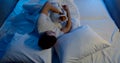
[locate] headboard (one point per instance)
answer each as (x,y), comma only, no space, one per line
(6,7)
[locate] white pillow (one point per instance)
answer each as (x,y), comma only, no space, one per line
(97,17)
(74,12)
(78,44)
(75,23)
(92,9)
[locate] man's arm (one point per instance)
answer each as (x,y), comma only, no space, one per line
(68,25)
(49,7)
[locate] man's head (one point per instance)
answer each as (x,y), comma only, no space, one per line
(47,40)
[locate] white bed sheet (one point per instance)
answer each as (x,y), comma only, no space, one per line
(94,14)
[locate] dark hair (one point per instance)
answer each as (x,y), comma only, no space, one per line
(46,41)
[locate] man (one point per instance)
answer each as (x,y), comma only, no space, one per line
(46,26)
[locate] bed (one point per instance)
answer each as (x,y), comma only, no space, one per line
(97,21)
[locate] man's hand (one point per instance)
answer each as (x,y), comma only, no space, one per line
(49,7)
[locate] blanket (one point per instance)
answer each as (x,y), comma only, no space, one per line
(25,22)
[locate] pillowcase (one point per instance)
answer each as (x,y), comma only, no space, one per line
(74,12)
(75,23)
(78,44)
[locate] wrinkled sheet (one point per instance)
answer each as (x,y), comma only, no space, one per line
(108,55)
(99,19)
(95,14)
